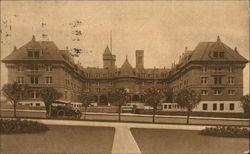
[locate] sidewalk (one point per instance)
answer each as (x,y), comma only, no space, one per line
(139,115)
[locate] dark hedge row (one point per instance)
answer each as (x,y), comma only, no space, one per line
(225,131)
(21,126)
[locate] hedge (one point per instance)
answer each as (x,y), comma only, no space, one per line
(21,126)
(225,131)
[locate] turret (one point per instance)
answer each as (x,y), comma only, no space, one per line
(108,59)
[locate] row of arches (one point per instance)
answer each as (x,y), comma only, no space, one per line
(103,99)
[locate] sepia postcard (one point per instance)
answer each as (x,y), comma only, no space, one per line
(124,77)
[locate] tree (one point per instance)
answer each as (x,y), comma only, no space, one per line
(188,99)
(15,92)
(86,98)
(168,95)
(153,98)
(119,98)
(48,95)
(245,103)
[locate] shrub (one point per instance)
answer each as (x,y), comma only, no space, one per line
(225,131)
(21,126)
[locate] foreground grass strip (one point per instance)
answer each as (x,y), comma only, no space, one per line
(225,131)
(17,126)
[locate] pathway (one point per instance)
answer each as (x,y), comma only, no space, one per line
(124,141)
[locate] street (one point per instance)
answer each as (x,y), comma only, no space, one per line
(128,117)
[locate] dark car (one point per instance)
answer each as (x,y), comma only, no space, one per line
(62,109)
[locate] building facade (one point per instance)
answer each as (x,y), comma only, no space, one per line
(213,69)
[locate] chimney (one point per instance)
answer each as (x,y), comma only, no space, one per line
(139,59)
(235,49)
(218,38)
(14,49)
(33,38)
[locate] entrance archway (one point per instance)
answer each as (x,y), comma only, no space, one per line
(95,98)
(103,100)
(136,98)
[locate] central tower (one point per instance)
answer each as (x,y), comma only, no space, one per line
(108,59)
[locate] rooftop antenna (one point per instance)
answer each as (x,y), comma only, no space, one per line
(111,41)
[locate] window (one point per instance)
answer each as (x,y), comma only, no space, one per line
(231,80)
(204,106)
(231,92)
(231,69)
(19,68)
(48,68)
(217,69)
(204,92)
(217,92)
(165,106)
(30,53)
(217,54)
(36,54)
(221,54)
(48,80)
(217,80)
(34,80)
(33,54)
(34,68)
(35,94)
(214,106)
(221,106)
(37,104)
(169,106)
(204,69)
(20,80)
(231,106)
(204,80)
(66,95)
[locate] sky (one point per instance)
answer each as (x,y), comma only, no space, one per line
(161,28)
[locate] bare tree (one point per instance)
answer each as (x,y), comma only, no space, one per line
(119,98)
(15,92)
(188,99)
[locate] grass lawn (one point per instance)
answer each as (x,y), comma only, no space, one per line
(185,141)
(61,139)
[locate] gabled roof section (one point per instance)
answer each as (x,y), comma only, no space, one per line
(48,49)
(204,51)
(126,65)
(107,51)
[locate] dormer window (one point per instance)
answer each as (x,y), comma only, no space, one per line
(218,54)
(34,54)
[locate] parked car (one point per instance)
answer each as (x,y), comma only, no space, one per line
(62,109)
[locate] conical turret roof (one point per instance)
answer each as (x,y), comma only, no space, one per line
(126,65)
(107,51)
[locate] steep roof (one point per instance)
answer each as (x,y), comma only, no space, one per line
(126,65)
(49,49)
(107,51)
(203,52)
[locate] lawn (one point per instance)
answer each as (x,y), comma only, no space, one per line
(185,141)
(61,139)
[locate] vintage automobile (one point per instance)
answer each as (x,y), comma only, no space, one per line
(62,109)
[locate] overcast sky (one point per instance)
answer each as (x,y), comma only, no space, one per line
(162,29)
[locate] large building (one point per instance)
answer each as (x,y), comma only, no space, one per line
(213,69)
